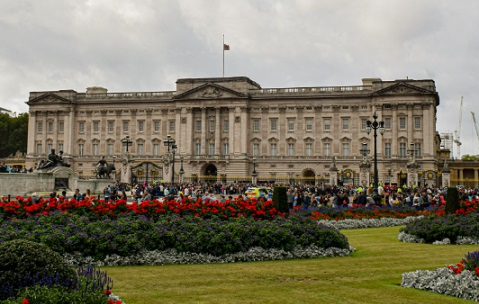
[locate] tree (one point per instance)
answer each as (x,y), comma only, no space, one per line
(14,132)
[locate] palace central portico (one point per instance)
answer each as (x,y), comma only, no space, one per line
(222,127)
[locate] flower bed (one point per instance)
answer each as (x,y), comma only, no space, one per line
(460,280)
(25,207)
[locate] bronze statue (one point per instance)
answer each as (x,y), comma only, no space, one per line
(104,169)
(52,161)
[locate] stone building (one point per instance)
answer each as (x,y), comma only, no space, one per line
(226,128)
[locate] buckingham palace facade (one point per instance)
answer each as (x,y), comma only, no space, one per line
(226,128)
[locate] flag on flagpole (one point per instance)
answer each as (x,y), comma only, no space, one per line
(226,47)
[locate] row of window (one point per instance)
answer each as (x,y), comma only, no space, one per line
(326,122)
(273,149)
(273,124)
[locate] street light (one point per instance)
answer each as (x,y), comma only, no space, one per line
(375,125)
(182,171)
(173,151)
(255,174)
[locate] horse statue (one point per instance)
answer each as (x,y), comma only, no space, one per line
(105,171)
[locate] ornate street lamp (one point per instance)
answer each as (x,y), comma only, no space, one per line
(182,171)
(375,125)
(254,174)
(173,151)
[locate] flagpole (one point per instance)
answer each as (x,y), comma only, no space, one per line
(223,47)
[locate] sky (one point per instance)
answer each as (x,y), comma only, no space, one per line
(146,45)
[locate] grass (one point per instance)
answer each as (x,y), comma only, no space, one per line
(371,275)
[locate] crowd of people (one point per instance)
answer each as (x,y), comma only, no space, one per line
(298,196)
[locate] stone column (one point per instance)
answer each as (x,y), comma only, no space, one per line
(217,131)
(204,124)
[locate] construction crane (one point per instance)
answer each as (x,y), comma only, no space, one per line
(457,133)
(475,124)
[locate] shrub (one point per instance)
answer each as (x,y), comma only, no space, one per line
(24,263)
(280,199)
(452,200)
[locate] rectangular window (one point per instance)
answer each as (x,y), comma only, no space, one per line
(60,147)
(39,149)
(402,150)
(417,123)
(95,149)
(345,149)
(387,150)
(197,149)
(418,150)
(290,125)
(256,125)
(80,149)
(111,126)
(309,124)
(225,149)
(49,147)
(126,126)
(40,127)
(96,126)
(156,126)
(327,124)
(226,125)
(402,123)
(211,149)
(212,125)
(50,127)
(156,149)
(290,149)
(198,126)
(327,149)
(273,150)
(309,149)
(110,149)
(274,124)
(61,126)
(81,126)
(140,151)
(364,123)
(172,126)
(141,125)
(345,123)
(387,123)
(255,150)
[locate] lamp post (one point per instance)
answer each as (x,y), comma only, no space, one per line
(182,171)
(375,125)
(173,151)
(254,174)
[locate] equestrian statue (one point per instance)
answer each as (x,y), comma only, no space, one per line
(104,169)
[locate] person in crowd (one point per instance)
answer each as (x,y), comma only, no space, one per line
(290,198)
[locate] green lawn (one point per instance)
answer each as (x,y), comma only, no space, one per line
(371,275)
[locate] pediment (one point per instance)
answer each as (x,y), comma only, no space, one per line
(403,88)
(210,91)
(49,98)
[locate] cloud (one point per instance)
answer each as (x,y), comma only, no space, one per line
(147,45)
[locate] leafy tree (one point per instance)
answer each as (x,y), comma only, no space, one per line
(14,132)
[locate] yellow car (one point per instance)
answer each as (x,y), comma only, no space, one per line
(257,192)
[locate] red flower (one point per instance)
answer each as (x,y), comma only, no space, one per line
(25,301)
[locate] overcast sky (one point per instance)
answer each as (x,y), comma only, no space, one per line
(146,45)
